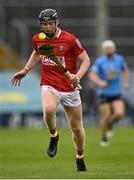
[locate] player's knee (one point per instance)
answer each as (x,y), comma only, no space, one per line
(106,116)
(119,115)
(76,129)
(49,110)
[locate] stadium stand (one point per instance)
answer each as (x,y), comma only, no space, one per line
(9,59)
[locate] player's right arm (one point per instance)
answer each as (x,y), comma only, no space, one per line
(94,77)
(34,59)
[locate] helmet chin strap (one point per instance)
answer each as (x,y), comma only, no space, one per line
(50,35)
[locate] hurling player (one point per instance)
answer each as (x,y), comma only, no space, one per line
(55,86)
(107,73)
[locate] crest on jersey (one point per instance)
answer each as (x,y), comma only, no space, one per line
(61,48)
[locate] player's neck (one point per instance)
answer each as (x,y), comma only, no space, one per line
(56,34)
(110,56)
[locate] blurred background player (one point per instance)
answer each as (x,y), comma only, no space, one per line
(107,73)
(55,86)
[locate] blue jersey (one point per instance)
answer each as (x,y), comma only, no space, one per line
(110,70)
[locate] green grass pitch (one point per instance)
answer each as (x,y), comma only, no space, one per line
(23,155)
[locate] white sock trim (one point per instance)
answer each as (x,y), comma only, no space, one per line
(54,135)
(79,156)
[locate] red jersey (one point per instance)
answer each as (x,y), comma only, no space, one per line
(66,47)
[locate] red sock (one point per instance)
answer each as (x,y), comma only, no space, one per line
(79,155)
(54,133)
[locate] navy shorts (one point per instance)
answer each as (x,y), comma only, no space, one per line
(109,99)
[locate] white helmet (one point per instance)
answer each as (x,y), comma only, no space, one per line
(108,44)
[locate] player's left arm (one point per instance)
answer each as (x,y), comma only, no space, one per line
(84,65)
(125,74)
(83,57)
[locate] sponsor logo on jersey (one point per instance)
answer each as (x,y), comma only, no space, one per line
(111,75)
(47,61)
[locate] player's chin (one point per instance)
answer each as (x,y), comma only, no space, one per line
(49,34)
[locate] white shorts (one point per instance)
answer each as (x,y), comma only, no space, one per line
(70,99)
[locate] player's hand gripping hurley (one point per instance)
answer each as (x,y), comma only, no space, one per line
(48,50)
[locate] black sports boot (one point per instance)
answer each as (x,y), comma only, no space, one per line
(81,166)
(52,148)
